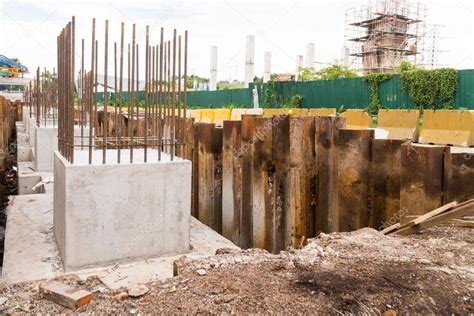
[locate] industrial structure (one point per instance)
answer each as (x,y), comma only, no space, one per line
(382,34)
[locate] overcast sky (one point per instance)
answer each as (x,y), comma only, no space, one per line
(28,29)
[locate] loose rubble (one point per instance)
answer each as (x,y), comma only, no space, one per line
(362,272)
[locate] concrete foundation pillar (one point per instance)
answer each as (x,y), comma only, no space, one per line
(104,213)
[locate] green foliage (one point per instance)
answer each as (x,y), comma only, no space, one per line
(191,78)
(295,101)
(431,88)
(225,85)
(231,106)
(271,95)
(332,72)
(405,66)
(341,109)
(374,80)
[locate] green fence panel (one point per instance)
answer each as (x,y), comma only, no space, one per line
(392,96)
(465,90)
(352,93)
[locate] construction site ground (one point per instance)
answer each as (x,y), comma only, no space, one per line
(363,272)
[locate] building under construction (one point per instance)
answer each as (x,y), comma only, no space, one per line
(383,34)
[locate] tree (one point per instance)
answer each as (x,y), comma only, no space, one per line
(334,71)
(406,66)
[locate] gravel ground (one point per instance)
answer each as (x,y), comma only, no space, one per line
(363,272)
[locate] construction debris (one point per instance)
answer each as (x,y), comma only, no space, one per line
(65,295)
(442,214)
(138,290)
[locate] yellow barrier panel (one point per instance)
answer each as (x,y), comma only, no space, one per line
(255,111)
(221,115)
(298,112)
(207,116)
(322,111)
(400,124)
(448,127)
(272,112)
(195,114)
(356,119)
(236,114)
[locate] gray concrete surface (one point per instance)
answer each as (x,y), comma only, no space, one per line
(104,213)
(31,252)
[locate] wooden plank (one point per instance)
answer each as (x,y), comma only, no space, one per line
(421,178)
(326,136)
(390,229)
(385,183)
(433,213)
(353,167)
(466,209)
(231,181)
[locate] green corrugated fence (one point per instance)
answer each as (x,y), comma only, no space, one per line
(351,93)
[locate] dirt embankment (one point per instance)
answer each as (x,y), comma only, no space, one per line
(362,272)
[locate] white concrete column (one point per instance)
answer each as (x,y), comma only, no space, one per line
(249,59)
(345,56)
(213,69)
(299,65)
(267,66)
(309,55)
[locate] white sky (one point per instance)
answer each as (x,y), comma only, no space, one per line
(28,29)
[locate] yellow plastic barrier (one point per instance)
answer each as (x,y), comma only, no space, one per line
(448,127)
(220,115)
(356,119)
(298,112)
(254,111)
(400,124)
(236,114)
(195,114)
(322,111)
(207,116)
(272,112)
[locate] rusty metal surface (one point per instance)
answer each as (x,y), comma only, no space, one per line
(326,137)
(231,180)
(421,178)
(353,167)
(116,124)
(246,220)
(262,181)
(210,175)
(385,183)
(458,177)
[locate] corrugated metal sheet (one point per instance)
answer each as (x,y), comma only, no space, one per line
(353,93)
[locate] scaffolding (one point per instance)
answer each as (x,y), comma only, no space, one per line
(382,34)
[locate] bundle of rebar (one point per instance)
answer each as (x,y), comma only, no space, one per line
(107,120)
(41,98)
